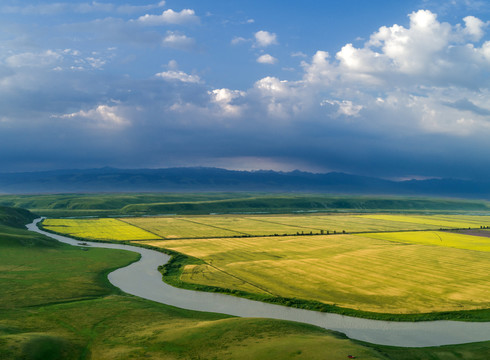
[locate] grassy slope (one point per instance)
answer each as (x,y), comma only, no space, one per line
(289,203)
(15,217)
(137,204)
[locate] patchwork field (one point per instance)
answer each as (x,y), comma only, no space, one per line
(176,227)
(350,271)
(435,221)
(98,229)
(386,267)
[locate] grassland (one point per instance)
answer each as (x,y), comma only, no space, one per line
(63,205)
(98,229)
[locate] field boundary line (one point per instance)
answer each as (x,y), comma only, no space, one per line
(213,226)
(160,237)
(278,223)
(295,235)
(245,281)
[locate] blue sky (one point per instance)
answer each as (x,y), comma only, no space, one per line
(396,89)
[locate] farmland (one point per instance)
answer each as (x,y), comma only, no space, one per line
(184,227)
(58,304)
(384,263)
(98,229)
(437,238)
(350,271)
(176,227)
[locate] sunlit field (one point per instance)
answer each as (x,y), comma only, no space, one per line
(180,227)
(175,227)
(387,267)
(434,221)
(350,271)
(98,229)
(438,238)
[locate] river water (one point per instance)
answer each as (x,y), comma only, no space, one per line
(143,279)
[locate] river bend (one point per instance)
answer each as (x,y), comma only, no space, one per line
(143,279)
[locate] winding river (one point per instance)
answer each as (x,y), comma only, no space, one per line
(143,279)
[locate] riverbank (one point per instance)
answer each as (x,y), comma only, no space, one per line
(143,279)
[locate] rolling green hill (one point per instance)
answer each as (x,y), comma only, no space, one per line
(15,217)
(206,203)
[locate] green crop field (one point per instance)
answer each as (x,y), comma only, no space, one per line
(352,271)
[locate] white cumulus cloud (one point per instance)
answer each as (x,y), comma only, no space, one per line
(30,59)
(428,77)
(238,40)
(185,16)
(224,98)
(266,59)
(474,27)
(179,76)
(102,116)
(344,107)
(265,38)
(178,41)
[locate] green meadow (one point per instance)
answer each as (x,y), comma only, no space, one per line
(61,205)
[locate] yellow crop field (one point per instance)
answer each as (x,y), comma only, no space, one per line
(214,226)
(179,227)
(352,271)
(438,238)
(339,223)
(436,221)
(98,229)
(176,227)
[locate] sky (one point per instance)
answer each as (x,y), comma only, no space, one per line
(392,89)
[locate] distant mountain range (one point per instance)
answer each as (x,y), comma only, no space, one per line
(201,179)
